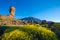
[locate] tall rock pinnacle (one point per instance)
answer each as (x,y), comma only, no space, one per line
(12,12)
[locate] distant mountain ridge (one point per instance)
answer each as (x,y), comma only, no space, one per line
(35,20)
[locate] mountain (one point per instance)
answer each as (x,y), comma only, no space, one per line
(32,19)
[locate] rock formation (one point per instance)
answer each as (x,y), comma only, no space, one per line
(10,20)
(12,12)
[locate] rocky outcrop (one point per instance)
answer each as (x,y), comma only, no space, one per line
(12,12)
(5,20)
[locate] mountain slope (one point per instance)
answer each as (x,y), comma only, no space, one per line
(32,19)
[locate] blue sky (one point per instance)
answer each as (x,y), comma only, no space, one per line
(43,9)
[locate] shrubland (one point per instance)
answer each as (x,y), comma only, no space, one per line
(27,32)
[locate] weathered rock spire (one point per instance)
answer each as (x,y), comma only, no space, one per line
(12,12)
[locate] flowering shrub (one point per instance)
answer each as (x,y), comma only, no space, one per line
(28,32)
(15,35)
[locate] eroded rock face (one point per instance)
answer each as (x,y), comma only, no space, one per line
(5,20)
(12,12)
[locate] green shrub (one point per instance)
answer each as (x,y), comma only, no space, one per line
(15,35)
(30,32)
